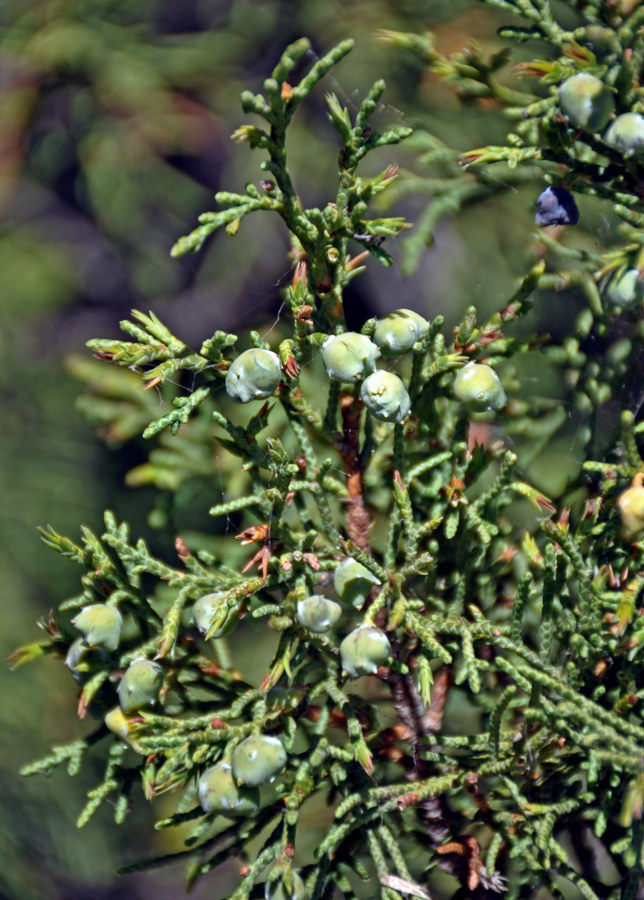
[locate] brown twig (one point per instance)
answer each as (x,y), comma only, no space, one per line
(359,522)
(461,856)
(419,723)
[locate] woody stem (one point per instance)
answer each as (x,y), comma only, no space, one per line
(359,522)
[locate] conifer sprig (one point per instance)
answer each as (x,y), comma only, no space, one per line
(378,534)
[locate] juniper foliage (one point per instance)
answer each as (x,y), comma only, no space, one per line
(498,736)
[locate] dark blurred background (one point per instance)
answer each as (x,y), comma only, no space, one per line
(115,124)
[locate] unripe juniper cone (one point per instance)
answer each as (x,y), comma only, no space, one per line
(349,357)
(218,793)
(123,727)
(586,101)
(602,41)
(631,508)
(353,582)
(100,625)
(140,685)
(478,387)
(398,331)
(208,608)
(363,650)
(253,375)
(318,614)
(626,135)
(385,396)
(74,658)
(624,287)
(259,759)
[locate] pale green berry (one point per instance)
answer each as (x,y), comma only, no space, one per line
(75,652)
(253,375)
(276,890)
(258,759)
(631,508)
(100,625)
(349,356)
(397,332)
(626,134)
(353,582)
(218,793)
(207,608)
(74,660)
(586,101)
(625,287)
(602,41)
(363,650)
(318,614)
(385,396)
(478,387)
(122,727)
(140,685)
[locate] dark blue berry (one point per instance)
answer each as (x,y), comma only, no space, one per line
(556,206)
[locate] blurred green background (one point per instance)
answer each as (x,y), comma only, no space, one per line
(115,124)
